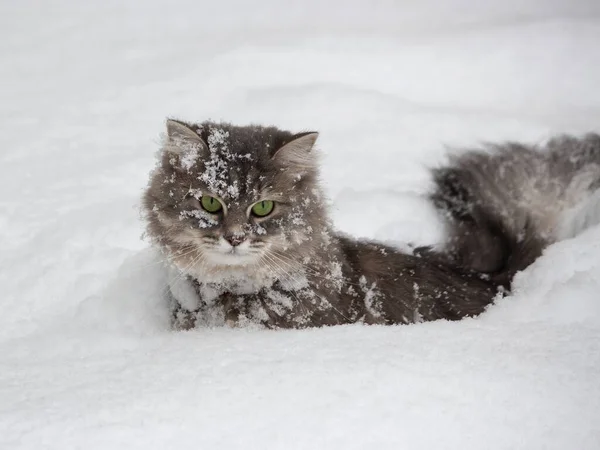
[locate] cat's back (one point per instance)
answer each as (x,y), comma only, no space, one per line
(402,288)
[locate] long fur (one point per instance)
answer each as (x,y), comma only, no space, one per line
(504,204)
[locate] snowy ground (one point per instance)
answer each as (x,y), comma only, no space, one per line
(86,360)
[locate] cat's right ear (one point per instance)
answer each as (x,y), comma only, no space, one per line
(181,138)
(297,154)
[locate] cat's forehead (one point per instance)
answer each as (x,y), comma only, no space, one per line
(243,140)
(237,164)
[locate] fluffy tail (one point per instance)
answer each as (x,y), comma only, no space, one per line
(479,238)
(506,202)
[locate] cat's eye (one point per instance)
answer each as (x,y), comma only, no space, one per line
(211,204)
(263,208)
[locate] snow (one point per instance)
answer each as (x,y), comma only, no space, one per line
(86,359)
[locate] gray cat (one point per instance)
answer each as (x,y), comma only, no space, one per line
(241,217)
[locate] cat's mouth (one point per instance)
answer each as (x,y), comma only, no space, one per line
(225,254)
(232,258)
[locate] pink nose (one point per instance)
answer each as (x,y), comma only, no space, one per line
(235,239)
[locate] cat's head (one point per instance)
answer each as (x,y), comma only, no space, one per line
(227,197)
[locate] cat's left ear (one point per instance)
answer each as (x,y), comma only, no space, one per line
(181,134)
(298,152)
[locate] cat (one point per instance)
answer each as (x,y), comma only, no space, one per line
(242,219)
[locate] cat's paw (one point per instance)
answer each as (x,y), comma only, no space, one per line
(183,319)
(183,289)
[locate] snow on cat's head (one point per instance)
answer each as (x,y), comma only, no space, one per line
(231,200)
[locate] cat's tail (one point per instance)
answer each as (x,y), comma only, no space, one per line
(519,252)
(506,202)
(479,239)
(584,215)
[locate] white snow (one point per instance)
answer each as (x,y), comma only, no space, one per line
(86,359)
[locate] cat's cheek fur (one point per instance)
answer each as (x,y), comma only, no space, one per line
(298,237)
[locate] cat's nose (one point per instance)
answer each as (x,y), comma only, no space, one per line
(235,239)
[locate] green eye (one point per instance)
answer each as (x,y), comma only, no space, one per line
(211,204)
(264,208)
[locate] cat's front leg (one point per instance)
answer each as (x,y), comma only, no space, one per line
(185,301)
(273,308)
(247,310)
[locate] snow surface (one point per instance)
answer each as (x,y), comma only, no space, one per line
(86,360)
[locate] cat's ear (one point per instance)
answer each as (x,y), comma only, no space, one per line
(181,135)
(298,152)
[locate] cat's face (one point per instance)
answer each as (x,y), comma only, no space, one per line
(234,198)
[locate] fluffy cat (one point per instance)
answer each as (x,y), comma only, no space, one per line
(241,217)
